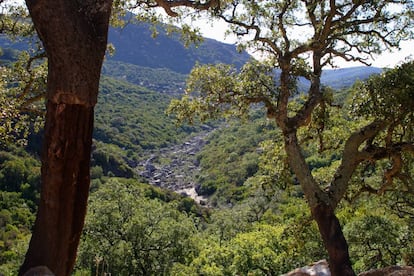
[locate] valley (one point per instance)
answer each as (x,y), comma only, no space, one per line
(176,167)
(169,199)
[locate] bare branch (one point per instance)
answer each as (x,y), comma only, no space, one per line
(392,172)
(167,5)
(282,28)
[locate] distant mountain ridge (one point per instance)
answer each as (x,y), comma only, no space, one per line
(146,58)
(345,77)
(134,44)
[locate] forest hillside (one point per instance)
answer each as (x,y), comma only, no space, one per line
(193,199)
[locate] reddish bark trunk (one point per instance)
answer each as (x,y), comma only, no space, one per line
(74,34)
(65,185)
(334,240)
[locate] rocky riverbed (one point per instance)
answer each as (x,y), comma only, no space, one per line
(175,168)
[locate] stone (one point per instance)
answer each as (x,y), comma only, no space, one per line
(39,271)
(320,268)
(394,270)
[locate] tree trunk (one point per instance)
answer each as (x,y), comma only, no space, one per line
(334,240)
(65,185)
(74,34)
(321,208)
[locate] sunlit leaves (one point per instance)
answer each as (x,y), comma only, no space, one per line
(260,252)
(22,82)
(132,234)
(388,96)
(14,21)
(214,88)
(217,90)
(22,89)
(274,165)
(231,157)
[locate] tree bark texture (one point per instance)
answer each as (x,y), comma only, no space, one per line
(74,34)
(65,185)
(334,240)
(321,207)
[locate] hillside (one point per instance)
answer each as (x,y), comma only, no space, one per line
(138,83)
(134,44)
(141,59)
(341,78)
(344,77)
(161,80)
(130,122)
(164,80)
(245,206)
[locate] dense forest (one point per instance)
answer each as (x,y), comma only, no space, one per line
(248,215)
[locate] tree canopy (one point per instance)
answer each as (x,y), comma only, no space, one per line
(22,81)
(75,34)
(329,29)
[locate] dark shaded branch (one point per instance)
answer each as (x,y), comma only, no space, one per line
(167,5)
(281,25)
(251,27)
(392,172)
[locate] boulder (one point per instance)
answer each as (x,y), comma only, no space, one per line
(394,270)
(320,268)
(39,271)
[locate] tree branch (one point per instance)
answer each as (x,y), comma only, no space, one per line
(167,5)
(352,157)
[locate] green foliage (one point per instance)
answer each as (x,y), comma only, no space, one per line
(274,165)
(16,220)
(226,223)
(387,99)
(20,173)
(374,242)
(387,96)
(235,242)
(378,237)
(14,21)
(129,120)
(301,237)
(231,157)
(130,117)
(219,90)
(273,27)
(260,252)
(22,85)
(127,233)
(135,229)
(160,80)
(110,160)
(22,78)
(322,141)
(257,252)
